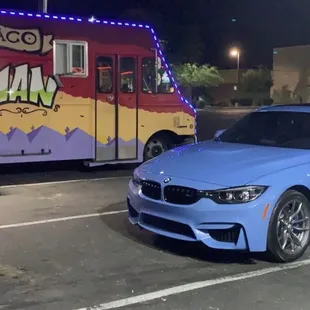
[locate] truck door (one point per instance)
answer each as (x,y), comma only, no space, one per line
(127,108)
(106,108)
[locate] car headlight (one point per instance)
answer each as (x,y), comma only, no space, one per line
(136,179)
(236,195)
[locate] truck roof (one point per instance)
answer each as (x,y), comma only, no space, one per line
(78,19)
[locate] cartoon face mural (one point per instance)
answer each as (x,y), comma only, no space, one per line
(27,85)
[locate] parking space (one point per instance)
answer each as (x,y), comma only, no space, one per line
(69,246)
(285,290)
(61,199)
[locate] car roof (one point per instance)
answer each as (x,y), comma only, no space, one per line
(304,107)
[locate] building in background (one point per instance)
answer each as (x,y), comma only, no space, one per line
(291,75)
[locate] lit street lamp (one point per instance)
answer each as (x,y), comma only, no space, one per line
(235,53)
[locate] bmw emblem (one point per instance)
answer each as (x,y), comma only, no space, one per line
(167,180)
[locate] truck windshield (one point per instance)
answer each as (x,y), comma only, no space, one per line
(275,129)
(164,84)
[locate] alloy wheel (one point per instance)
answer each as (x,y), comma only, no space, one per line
(293,226)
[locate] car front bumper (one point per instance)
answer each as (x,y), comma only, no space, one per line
(235,227)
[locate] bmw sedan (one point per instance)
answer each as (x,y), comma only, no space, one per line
(247,189)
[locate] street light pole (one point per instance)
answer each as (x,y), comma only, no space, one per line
(238,68)
(236,54)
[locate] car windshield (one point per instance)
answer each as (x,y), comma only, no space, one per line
(276,129)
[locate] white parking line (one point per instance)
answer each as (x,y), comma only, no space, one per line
(63,182)
(193,286)
(61,219)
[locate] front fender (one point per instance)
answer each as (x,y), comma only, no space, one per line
(279,182)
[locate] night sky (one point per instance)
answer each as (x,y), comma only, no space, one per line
(203,30)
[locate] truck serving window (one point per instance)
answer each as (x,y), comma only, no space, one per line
(70,58)
(164,85)
(127,75)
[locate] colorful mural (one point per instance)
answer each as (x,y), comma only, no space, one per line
(28,40)
(46,141)
(27,85)
(45,117)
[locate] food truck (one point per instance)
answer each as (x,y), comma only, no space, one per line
(99,91)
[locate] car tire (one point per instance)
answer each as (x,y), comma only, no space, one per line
(278,226)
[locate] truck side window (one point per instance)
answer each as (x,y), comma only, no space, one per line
(70,58)
(127,75)
(104,74)
(149,80)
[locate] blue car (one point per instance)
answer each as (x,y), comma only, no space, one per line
(247,189)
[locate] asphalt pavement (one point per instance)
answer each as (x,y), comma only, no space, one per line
(68,245)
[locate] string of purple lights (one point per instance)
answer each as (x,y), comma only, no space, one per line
(106,22)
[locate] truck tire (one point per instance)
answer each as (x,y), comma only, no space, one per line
(155,146)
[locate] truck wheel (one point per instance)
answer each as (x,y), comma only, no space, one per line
(155,146)
(288,235)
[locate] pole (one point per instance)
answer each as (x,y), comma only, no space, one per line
(156,70)
(238,69)
(43,6)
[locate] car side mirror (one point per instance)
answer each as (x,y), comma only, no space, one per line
(218,133)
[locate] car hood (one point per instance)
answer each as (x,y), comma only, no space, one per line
(225,164)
